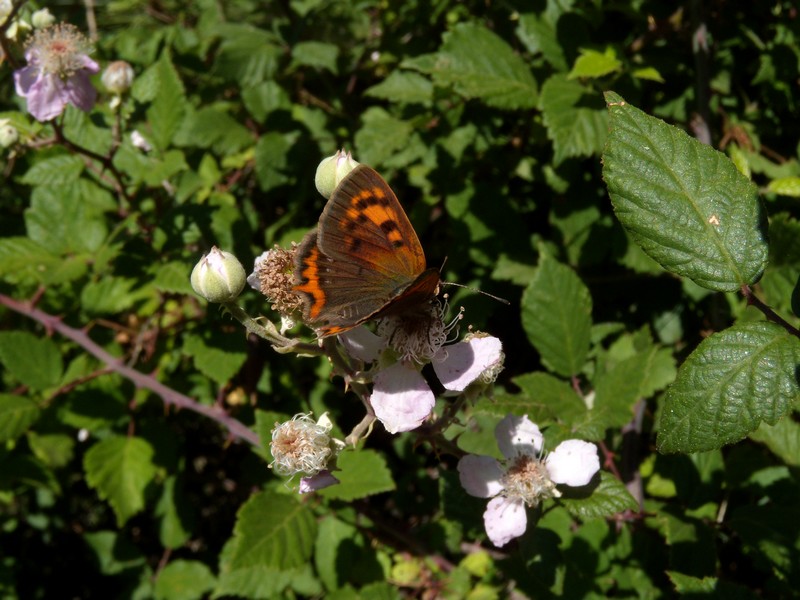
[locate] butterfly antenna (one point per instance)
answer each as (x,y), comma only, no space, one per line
(477,291)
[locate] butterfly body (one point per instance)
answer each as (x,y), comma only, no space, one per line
(364,261)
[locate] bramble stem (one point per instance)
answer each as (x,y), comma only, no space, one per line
(168,395)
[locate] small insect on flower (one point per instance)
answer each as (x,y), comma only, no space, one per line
(57,73)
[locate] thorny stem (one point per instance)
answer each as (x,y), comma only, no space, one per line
(771,315)
(168,396)
(280,343)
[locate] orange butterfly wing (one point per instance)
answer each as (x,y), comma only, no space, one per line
(364,260)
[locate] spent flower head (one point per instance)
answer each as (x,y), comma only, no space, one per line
(57,73)
(302,445)
(524,478)
(273,276)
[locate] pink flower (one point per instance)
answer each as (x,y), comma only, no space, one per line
(401,398)
(57,73)
(523,478)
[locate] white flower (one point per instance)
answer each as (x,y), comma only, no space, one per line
(523,478)
(401,398)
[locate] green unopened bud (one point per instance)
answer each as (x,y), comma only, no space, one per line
(42,18)
(218,277)
(5,9)
(332,170)
(8,133)
(118,77)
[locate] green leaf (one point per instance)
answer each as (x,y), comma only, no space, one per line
(634,378)
(120,468)
(266,98)
(62,222)
(315,54)
(16,415)
(592,63)
(169,104)
(543,398)
(113,552)
(785,186)
(184,580)
(557,316)
(176,514)
(334,537)
(574,117)
(173,277)
(220,361)
(732,382)
(110,295)
(480,64)
(783,439)
(685,204)
(247,55)
(53,449)
(266,582)
(54,171)
(380,136)
(272,531)
(607,499)
(34,361)
(686,584)
(213,127)
(539,32)
(272,150)
(22,259)
(362,473)
(649,73)
(403,88)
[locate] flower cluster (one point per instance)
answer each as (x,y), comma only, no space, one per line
(523,478)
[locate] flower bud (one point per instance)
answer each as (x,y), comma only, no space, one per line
(42,18)
(5,9)
(8,133)
(118,77)
(218,277)
(332,170)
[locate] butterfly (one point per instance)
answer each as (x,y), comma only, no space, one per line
(363,261)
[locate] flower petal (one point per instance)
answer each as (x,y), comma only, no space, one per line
(401,398)
(573,462)
(80,91)
(480,475)
(518,435)
(504,520)
(317,482)
(362,344)
(46,97)
(459,365)
(24,78)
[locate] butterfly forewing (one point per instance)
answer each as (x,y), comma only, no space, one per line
(363,261)
(366,224)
